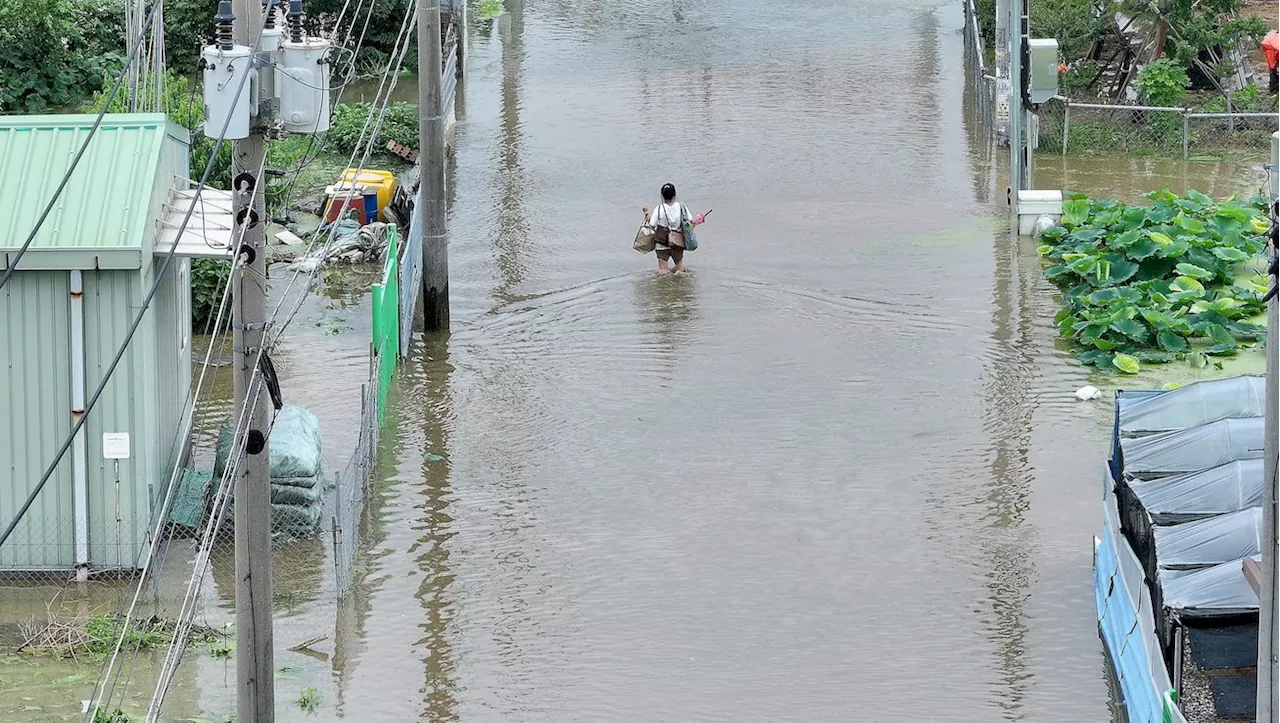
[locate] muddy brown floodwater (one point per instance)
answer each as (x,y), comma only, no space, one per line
(835,473)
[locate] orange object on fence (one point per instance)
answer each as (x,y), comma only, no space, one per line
(1271,49)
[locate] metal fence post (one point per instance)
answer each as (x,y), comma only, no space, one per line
(1066,123)
(1186,135)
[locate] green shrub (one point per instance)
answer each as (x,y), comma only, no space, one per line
(55,52)
(208,278)
(400,125)
(1163,82)
(1249,99)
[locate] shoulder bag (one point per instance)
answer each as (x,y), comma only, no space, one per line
(686,227)
(662,234)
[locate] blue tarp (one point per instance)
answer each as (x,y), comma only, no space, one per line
(1127,624)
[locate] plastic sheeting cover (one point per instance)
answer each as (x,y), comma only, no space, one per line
(1191,450)
(1218,590)
(1210,541)
(1214,491)
(294,446)
(1194,405)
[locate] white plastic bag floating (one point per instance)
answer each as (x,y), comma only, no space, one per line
(1088,392)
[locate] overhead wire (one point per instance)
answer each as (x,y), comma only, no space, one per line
(185,619)
(261,365)
(188,414)
(178,644)
(159,521)
(337,100)
(75,161)
(402,37)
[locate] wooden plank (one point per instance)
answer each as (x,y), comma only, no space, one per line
(1253,573)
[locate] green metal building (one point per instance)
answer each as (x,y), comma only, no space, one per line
(64,313)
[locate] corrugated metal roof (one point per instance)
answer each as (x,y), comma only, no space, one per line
(105,204)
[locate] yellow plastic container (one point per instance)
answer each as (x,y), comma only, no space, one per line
(384,181)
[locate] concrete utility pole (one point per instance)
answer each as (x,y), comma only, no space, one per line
(1015,108)
(431,203)
(1020,122)
(255,671)
(1268,626)
(1030,121)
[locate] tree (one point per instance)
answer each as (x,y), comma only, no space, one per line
(1075,24)
(54,52)
(1201,32)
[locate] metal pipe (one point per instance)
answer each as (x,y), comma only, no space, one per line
(1066,125)
(79,454)
(1179,643)
(1267,623)
(1186,137)
(1231,115)
(1119,106)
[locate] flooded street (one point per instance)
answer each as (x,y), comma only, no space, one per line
(836,473)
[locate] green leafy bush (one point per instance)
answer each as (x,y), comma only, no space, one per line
(1155,283)
(55,52)
(1163,82)
(114,716)
(1249,99)
(188,27)
(400,125)
(1074,23)
(208,278)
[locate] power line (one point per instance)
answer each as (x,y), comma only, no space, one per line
(66,177)
(222,498)
(187,612)
(214,324)
(109,666)
(174,658)
(402,36)
(355,54)
(137,320)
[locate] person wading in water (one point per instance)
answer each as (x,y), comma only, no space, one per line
(667,221)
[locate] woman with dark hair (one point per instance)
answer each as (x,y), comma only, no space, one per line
(667,221)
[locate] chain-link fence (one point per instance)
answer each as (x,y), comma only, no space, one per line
(351,485)
(980,80)
(190,580)
(1071,127)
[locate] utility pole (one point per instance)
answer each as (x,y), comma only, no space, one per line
(1004,13)
(431,202)
(1020,120)
(1030,121)
(255,671)
(1015,107)
(1268,626)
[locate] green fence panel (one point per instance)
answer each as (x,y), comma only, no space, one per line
(386,320)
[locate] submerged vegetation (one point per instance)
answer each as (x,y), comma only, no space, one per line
(1157,283)
(94,636)
(309,700)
